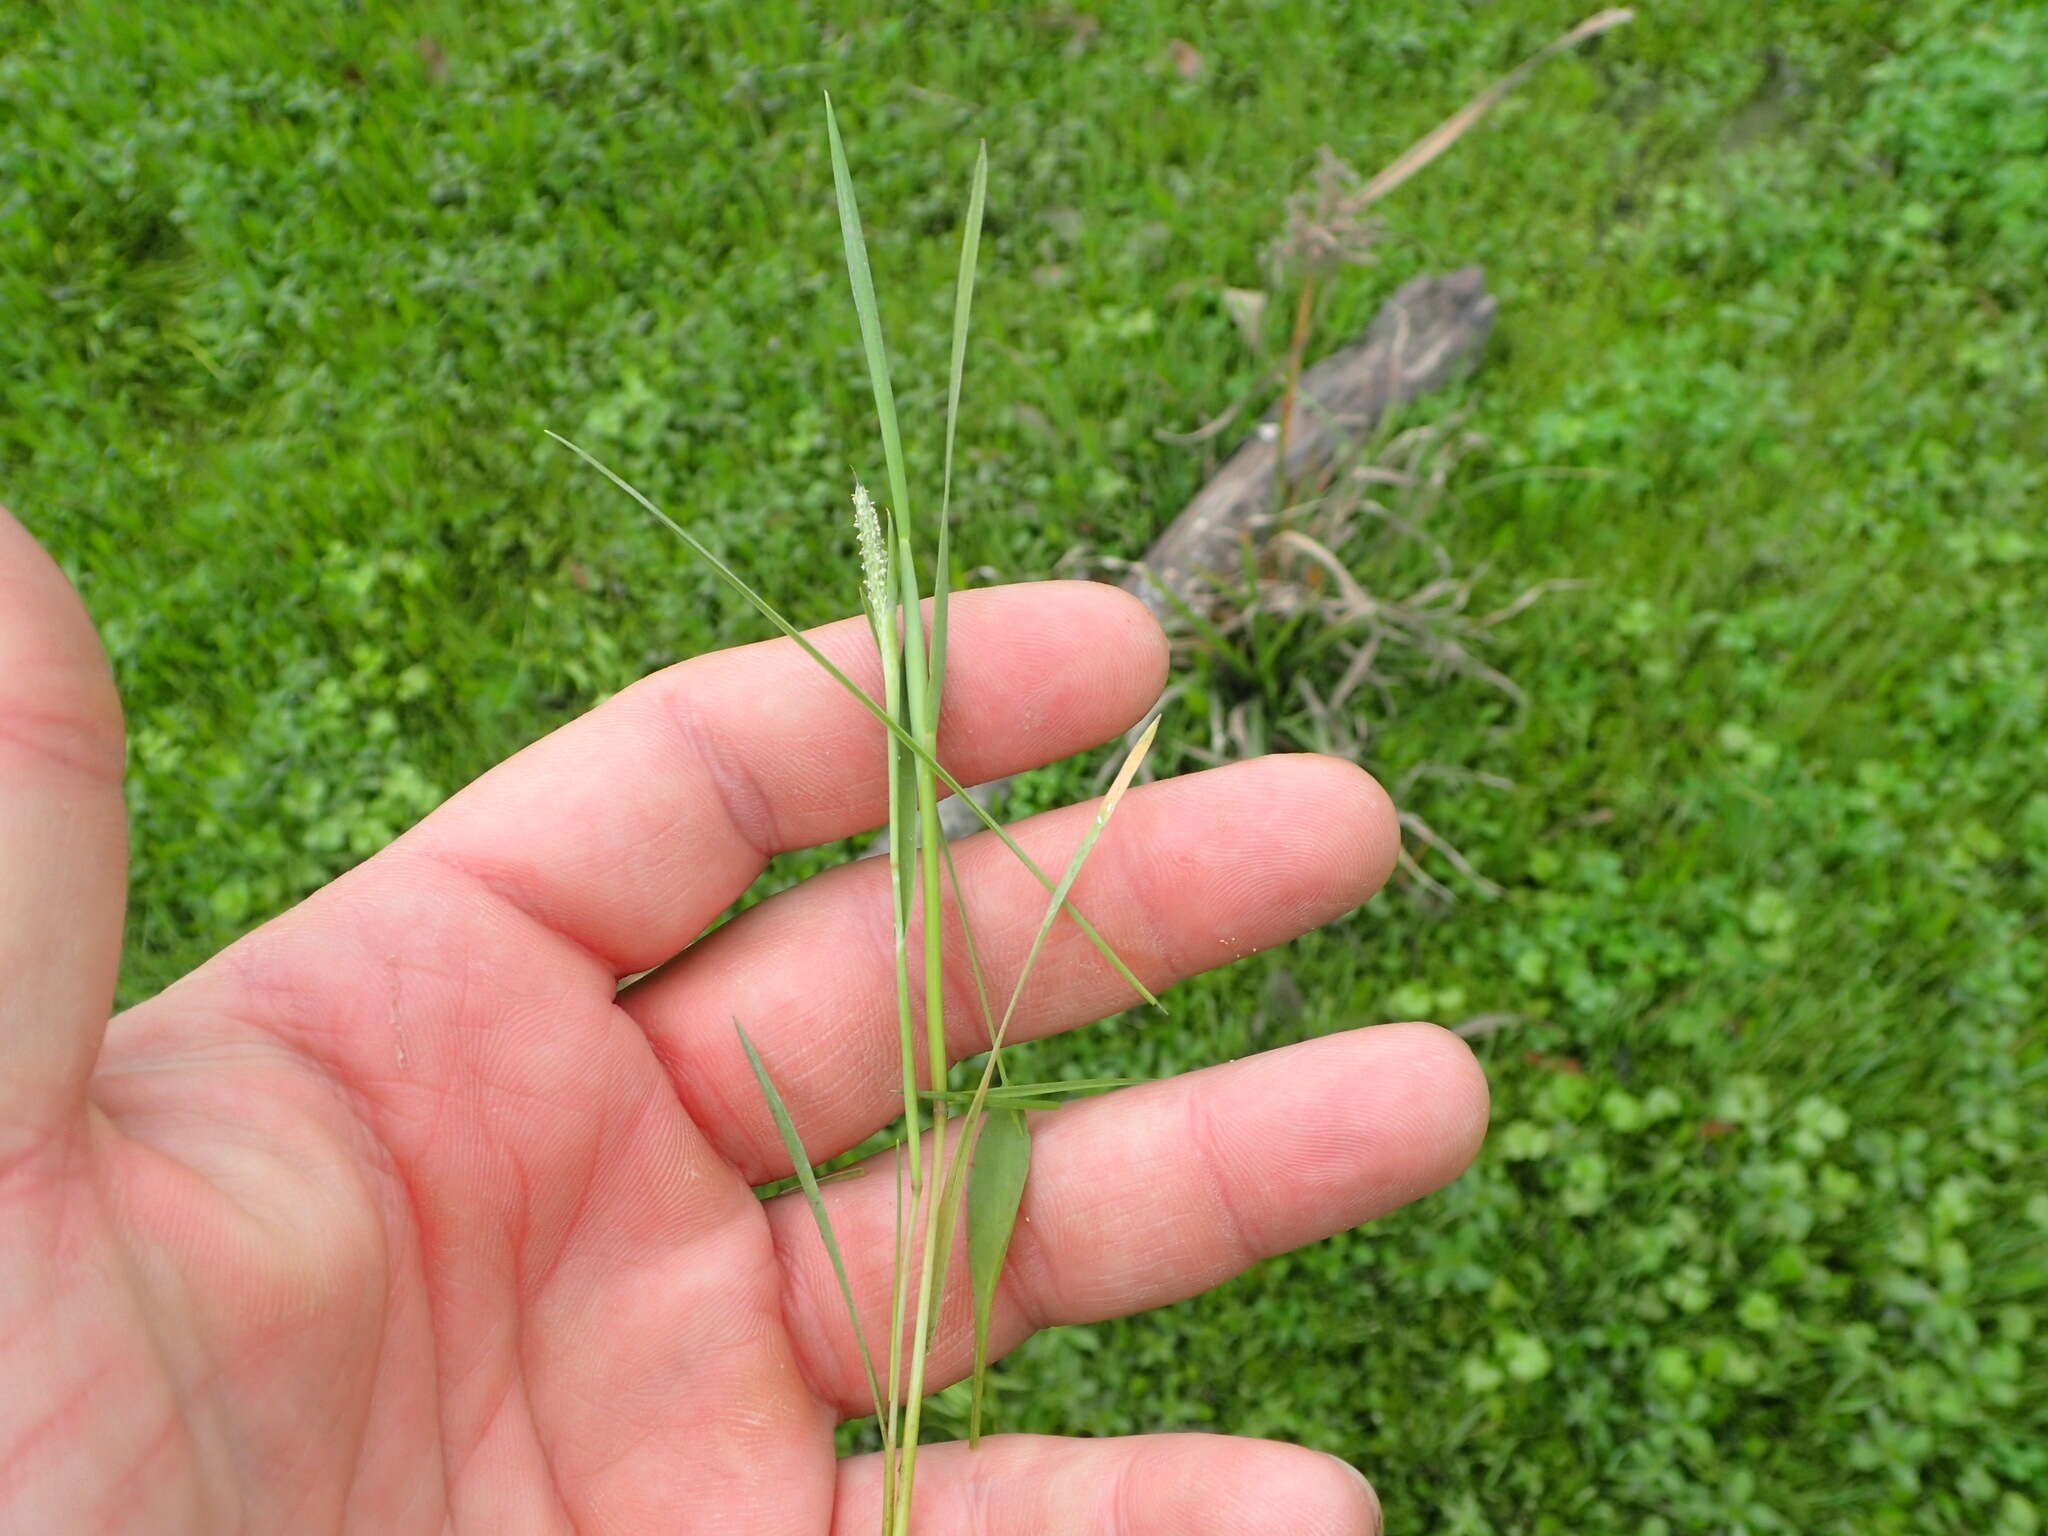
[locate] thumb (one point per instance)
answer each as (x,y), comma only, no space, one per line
(63,845)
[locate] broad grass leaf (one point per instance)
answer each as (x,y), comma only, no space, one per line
(995,1191)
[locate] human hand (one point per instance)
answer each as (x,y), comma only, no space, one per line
(399,1215)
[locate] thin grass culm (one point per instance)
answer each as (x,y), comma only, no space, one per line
(963,1160)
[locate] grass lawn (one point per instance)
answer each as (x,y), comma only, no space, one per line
(1760,1240)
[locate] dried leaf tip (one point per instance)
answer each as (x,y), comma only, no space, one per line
(874,554)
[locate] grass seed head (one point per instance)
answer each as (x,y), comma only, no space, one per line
(874,553)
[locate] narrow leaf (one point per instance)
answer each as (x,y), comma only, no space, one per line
(977,1108)
(807,1176)
(837,1175)
(995,1190)
(902,737)
(942,605)
(870,314)
(988,1017)
(899,1280)
(1014,1094)
(1118,786)
(901,808)
(963,304)
(1001,1098)
(977,1105)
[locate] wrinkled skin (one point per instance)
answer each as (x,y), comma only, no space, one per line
(399,1215)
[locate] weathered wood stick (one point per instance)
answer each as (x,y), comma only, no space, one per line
(1423,337)
(1429,332)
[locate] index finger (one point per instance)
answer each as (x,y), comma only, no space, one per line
(630,829)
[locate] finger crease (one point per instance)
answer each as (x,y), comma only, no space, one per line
(833,1376)
(748,808)
(1206,1138)
(70,741)
(1027,1275)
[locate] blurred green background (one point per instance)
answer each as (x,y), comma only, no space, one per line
(1760,1240)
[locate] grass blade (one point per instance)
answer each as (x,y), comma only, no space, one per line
(995,1191)
(1001,1098)
(1034,1095)
(870,315)
(902,807)
(1124,776)
(900,1268)
(807,1176)
(963,304)
(1121,783)
(988,1015)
(920,713)
(877,539)
(910,744)
(942,592)
(947,1215)
(977,1111)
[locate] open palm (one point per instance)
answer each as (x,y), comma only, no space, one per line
(400,1215)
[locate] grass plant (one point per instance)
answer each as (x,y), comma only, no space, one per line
(939,1197)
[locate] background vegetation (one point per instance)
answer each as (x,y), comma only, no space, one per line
(1760,1241)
